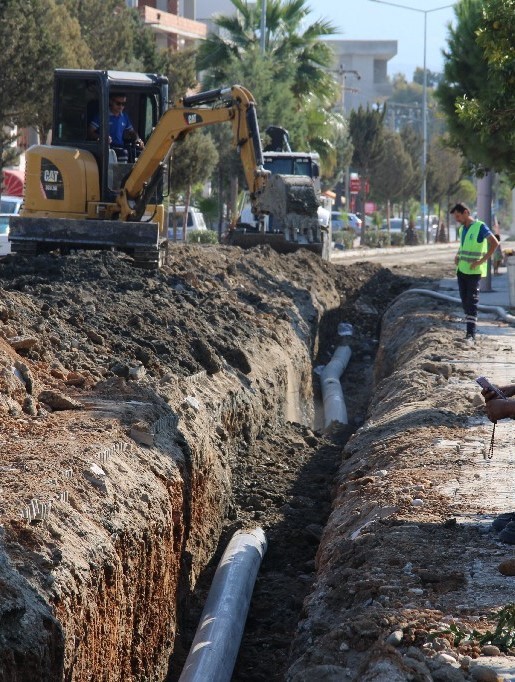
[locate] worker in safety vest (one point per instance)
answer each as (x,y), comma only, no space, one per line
(477,244)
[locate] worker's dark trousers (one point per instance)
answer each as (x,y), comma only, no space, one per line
(469,294)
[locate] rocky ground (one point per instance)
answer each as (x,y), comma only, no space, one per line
(82,334)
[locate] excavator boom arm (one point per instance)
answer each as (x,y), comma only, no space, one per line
(240,110)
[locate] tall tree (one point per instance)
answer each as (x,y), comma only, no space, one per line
(107,26)
(29,50)
(392,172)
(469,83)
(491,111)
(366,130)
(287,43)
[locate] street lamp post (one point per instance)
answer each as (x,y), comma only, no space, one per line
(423,193)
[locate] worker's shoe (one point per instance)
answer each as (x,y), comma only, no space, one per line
(503,520)
(470,339)
(507,534)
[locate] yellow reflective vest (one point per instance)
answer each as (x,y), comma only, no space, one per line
(472,250)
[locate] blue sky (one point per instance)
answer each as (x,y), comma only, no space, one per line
(367,20)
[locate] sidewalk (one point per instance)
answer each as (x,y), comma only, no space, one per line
(482,488)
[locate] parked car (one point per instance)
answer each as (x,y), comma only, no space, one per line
(341,220)
(432,223)
(396,225)
(195,221)
(9,206)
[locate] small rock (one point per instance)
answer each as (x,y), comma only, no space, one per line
(490,650)
(395,637)
(417,502)
(96,470)
(142,433)
(137,373)
(480,673)
(381,473)
(75,379)
(507,567)
(447,658)
(95,337)
(30,406)
(22,342)
(25,374)
(58,401)
(465,662)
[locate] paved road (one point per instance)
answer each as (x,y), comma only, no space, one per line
(393,256)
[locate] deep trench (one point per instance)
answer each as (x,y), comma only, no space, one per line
(293,529)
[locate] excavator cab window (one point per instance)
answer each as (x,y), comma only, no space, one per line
(76,102)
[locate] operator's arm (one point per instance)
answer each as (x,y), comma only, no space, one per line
(500,409)
(492,245)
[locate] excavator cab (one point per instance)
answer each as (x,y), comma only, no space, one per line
(73,184)
(81,97)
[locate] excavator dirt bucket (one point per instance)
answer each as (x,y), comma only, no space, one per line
(291,203)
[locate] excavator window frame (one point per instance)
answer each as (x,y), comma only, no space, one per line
(80,94)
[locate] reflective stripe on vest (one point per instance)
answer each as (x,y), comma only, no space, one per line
(471,250)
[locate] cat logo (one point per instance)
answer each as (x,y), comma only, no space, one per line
(50,175)
(192,119)
(51,180)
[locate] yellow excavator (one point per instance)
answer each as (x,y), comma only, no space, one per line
(83,193)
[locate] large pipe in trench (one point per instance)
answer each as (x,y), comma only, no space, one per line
(335,410)
(215,647)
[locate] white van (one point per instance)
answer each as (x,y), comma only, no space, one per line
(195,221)
(9,206)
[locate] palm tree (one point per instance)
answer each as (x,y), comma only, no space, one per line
(286,43)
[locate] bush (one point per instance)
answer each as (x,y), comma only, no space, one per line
(202,237)
(345,237)
(377,238)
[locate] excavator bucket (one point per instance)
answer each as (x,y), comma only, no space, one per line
(291,204)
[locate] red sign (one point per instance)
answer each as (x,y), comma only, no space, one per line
(356,186)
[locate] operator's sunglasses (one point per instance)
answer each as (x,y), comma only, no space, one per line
(118,103)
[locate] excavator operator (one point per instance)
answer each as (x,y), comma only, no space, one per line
(121,130)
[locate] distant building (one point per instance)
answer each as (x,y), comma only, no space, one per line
(172,22)
(361,66)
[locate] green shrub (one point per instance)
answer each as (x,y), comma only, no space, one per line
(203,237)
(376,238)
(345,237)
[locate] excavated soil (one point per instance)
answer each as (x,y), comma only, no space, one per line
(153,414)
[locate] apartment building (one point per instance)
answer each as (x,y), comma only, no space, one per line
(172,21)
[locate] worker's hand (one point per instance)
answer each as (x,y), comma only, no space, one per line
(456,259)
(508,391)
(476,264)
(500,409)
(139,143)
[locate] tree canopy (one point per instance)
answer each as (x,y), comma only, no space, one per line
(476,93)
(297,53)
